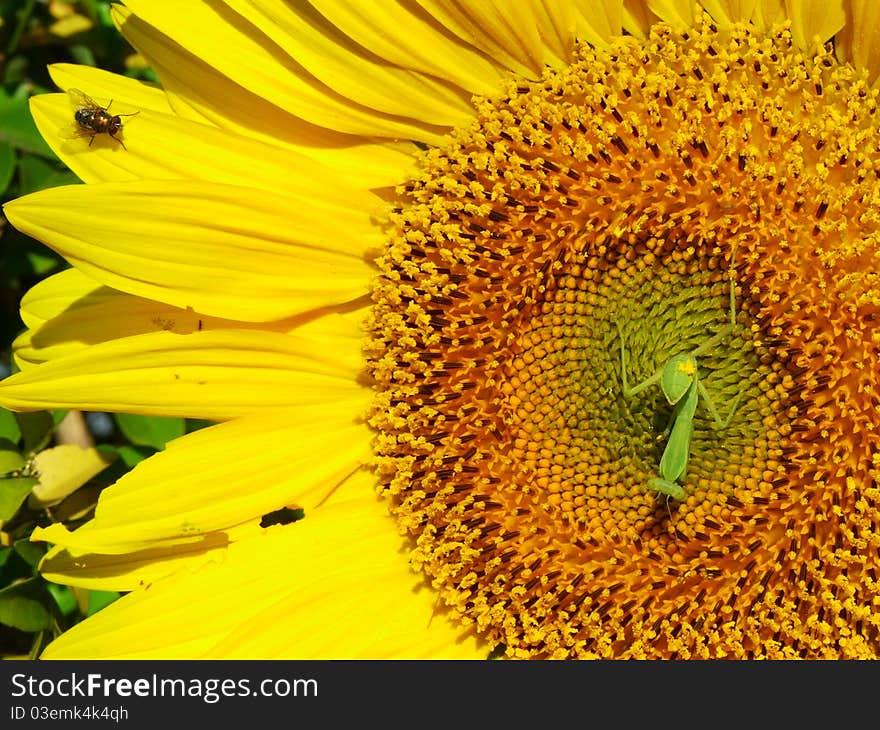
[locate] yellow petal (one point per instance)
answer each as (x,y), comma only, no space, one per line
(371,616)
(352,71)
(335,585)
(64,469)
(768,12)
(224,250)
(130,571)
(726,12)
(105,86)
(407,37)
(221,476)
(69,312)
(55,294)
(678,13)
(163,146)
(201,93)
(557,28)
(859,41)
(599,22)
(524,35)
(228,43)
(216,375)
(70,25)
(358,484)
(365,165)
(637,18)
(814,21)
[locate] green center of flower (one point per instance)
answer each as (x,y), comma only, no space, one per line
(587,229)
(607,445)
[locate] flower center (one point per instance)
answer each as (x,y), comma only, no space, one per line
(542,270)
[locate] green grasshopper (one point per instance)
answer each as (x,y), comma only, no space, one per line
(679,380)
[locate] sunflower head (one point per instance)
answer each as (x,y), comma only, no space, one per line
(561,274)
(619,388)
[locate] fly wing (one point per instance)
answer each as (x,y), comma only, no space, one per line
(78,100)
(74,131)
(81,100)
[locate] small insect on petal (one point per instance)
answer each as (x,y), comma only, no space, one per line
(92,119)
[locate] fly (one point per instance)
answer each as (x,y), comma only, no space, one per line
(93,119)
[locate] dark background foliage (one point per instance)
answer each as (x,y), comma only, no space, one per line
(34,34)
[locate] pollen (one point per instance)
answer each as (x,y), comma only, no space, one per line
(590,226)
(688,366)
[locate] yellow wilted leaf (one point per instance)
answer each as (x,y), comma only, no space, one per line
(64,469)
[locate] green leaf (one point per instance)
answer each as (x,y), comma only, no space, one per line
(18,129)
(31,552)
(132,455)
(16,70)
(5,554)
(12,568)
(7,165)
(153,431)
(99,600)
(10,457)
(14,491)
(23,606)
(35,173)
(142,74)
(82,55)
(91,7)
(194,424)
(36,429)
(19,21)
(9,426)
(102,12)
(41,262)
(64,598)
(19,250)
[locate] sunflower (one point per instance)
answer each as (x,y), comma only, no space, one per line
(426,264)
